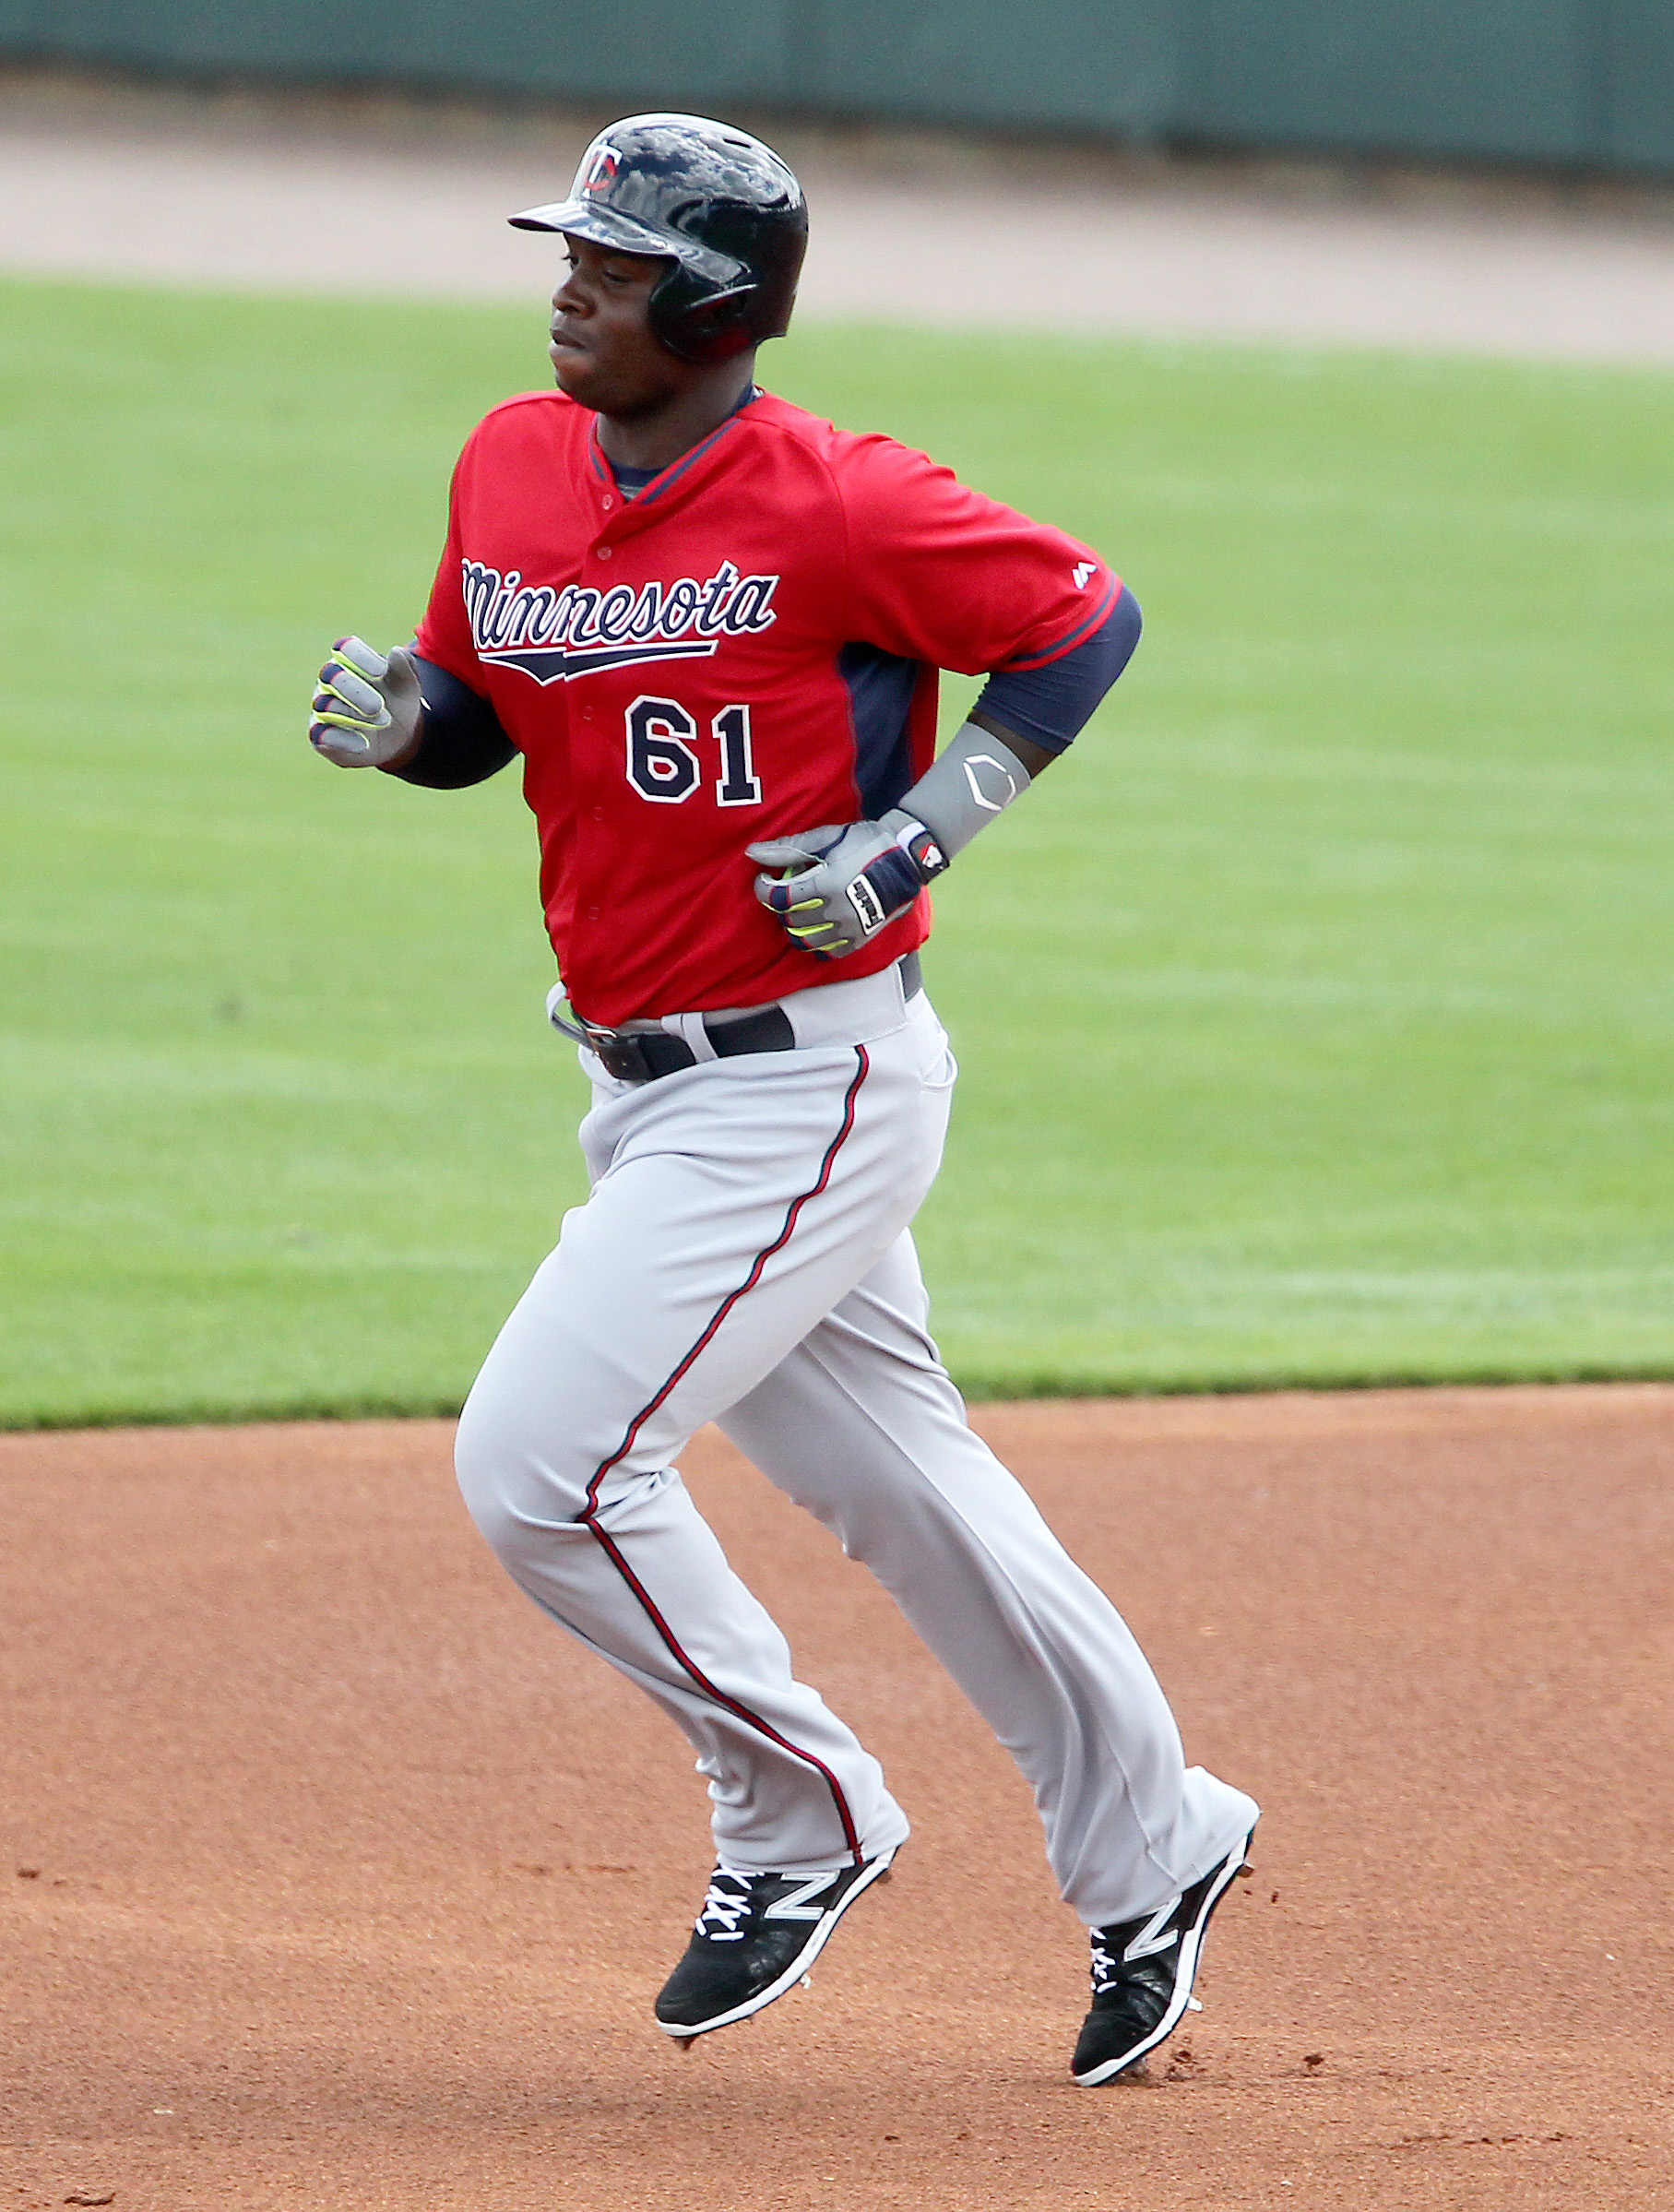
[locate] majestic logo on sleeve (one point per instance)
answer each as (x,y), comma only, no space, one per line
(552,635)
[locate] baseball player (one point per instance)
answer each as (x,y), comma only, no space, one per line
(710,625)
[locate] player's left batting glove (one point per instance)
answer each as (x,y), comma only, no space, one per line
(834,888)
(366,705)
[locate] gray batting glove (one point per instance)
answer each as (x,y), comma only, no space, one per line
(366,706)
(834,888)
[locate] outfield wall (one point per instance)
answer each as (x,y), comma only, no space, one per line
(1577,83)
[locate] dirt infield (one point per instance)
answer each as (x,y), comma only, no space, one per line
(335,1877)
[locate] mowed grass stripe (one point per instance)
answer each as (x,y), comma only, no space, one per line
(1314,1012)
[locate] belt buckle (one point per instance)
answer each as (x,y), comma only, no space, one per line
(621,1056)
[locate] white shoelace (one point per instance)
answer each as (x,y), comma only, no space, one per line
(726,1907)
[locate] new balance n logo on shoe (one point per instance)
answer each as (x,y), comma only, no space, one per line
(795,1906)
(1156,1935)
(756,1938)
(1142,1971)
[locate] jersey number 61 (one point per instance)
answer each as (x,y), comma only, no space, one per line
(664,763)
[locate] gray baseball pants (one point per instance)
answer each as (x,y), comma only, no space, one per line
(744,1258)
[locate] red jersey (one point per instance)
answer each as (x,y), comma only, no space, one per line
(746,649)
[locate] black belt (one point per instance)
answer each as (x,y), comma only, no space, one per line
(642,1055)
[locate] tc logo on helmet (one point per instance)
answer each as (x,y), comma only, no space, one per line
(600,169)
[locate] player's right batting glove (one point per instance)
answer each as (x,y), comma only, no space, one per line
(835,888)
(366,706)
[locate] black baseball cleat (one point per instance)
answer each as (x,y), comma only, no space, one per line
(756,1936)
(1142,1971)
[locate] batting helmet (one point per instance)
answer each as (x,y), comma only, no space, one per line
(723,208)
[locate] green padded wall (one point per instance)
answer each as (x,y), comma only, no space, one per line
(1501,78)
(584,48)
(1577,82)
(1107,66)
(1636,85)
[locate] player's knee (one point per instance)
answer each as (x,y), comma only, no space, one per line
(478,1471)
(515,1489)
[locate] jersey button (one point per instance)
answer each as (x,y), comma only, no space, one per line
(603,552)
(608,502)
(592,913)
(599,814)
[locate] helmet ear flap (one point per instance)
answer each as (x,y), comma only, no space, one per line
(702,326)
(720,325)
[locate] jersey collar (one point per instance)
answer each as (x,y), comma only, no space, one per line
(665,479)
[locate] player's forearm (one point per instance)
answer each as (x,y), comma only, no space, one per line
(1036,758)
(1021,723)
(835,888)
(459,740)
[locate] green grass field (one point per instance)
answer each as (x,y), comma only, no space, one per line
(1316,1013)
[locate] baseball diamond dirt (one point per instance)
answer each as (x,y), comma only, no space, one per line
(332,1878)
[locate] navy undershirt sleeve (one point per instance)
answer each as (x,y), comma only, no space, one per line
(460,738)
(1052,704)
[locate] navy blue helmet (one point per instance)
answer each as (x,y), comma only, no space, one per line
(723,208)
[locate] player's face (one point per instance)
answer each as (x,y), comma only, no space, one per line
(604,350)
